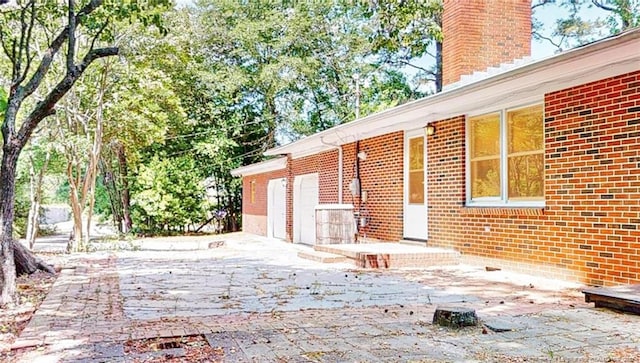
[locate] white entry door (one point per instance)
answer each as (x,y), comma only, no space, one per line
(277,208)
(305,198)
(415,187)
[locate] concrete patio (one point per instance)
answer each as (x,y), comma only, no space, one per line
(255,300)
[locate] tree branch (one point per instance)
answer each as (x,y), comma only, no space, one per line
(5,48)
(53,49)
(43,68)
(71,47)
(409,64)
(542,3)
(45,107)
(557,45)
(27,44)
(18,49)
(602,6)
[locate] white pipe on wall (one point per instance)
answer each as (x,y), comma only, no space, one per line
(340,174)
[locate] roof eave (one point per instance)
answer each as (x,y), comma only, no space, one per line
(259,168)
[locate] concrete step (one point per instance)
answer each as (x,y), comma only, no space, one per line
(392,255)
(337,249)
(408,242)
(323,257)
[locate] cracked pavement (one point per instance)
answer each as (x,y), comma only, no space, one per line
(254,300)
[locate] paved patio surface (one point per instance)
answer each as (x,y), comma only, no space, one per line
(254,300)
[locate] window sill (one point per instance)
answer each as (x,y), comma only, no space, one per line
(503,211)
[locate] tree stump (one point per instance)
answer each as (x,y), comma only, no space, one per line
(455,317)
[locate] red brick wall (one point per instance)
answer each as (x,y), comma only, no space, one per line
(593,177)
(381,175)
(253,211)
(591,223)
(326,165)
(483,33)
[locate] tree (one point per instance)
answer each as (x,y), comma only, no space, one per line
(574,29)
(407,31)
(145,105)
(264,73)
(39,160)
(58,25)
(83,145)
(169,195)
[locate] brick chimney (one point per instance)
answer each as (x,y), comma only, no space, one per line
(479,34)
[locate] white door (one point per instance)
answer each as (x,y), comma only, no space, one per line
(305,198)
(415,196)
(277,208)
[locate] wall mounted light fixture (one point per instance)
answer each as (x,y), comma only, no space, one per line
(429,130)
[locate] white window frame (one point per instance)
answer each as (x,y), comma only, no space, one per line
(503,200)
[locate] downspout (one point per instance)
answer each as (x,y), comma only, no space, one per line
(340,175)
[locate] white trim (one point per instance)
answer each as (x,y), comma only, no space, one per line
(275,186)
(530,82)
(499,204)
(406,214)
(259,168)
(338,206)
(340,175)
(297,197)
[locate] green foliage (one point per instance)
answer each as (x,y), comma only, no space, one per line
(169,194)
(623,14)
(102,205)
(3,102)
(387,90)
(405,32)
(21,212)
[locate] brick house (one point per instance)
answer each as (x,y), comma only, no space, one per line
(533,165)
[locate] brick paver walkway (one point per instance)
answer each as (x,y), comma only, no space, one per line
(255,301)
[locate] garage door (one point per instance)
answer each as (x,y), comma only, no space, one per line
(277,208)
(305,199)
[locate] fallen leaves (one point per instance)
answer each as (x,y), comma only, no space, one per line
(191,348)
(32,290)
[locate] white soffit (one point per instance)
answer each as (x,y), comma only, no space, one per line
(521,85)
(259,168)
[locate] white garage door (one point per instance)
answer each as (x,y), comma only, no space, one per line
(305,198)
(277,208)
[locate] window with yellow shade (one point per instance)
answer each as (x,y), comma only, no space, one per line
(506,157)
(416,170)
(253,191)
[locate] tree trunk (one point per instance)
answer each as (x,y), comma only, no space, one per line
(438,66)
(124,181)
(75,239)
(231,212)
(455,317)
(108,179)
(34,208)
(7,207)
(26,262)
(36,196)
(94,156)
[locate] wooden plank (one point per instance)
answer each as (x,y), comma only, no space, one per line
(624,298)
